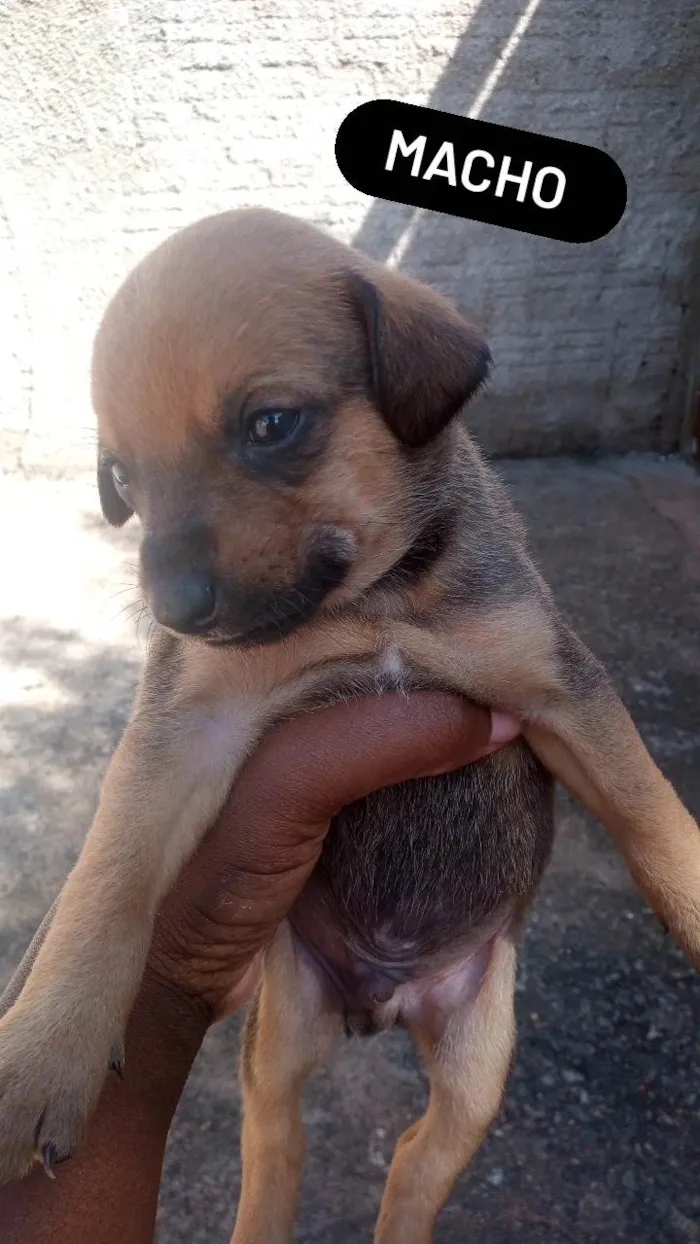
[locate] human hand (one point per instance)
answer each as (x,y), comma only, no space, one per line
(257,857)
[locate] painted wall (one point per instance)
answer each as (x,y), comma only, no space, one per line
(122,121)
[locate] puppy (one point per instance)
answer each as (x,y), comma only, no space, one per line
(280,413)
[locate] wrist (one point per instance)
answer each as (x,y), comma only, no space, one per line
(164,1035)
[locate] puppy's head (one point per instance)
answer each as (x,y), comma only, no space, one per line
(266,398)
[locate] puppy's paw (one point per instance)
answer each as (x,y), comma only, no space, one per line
(50,1082)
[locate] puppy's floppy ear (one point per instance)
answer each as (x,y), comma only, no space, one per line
(114,509)
(426,360)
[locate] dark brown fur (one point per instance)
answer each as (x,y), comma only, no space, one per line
(414,872)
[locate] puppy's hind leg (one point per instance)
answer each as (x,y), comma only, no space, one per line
(289,1031)
(467,1057)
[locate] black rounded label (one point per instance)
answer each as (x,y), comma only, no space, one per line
(481,171)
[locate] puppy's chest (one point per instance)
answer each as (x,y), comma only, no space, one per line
(393,672)
(386,670)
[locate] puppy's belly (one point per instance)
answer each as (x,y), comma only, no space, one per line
(414,882)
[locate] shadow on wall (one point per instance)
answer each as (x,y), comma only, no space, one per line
(466,87)
(592,343)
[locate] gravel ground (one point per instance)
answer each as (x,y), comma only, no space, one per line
(599,1138)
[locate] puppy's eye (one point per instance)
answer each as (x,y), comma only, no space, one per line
(271,427)
(120,477)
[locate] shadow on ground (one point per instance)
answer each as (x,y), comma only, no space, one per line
(52,754)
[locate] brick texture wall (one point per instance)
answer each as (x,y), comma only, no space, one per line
(123,121)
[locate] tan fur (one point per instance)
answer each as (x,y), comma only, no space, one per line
(288,1033)
(201,317)
(467,1069)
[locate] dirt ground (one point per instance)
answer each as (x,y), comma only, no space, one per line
(599,1138)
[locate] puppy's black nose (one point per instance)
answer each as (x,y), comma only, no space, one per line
(184,602)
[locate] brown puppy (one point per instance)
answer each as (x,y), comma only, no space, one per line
(279,412)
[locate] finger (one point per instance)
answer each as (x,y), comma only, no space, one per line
(316,764)
(504,729)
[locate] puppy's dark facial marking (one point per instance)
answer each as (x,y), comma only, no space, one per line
(277,438)
(427,548)
(263,618)
(178,579)
(193,590)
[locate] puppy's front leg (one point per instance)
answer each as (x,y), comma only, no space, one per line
(586,737)
(524,659)
(163,788)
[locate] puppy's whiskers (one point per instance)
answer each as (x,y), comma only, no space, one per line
(127,609)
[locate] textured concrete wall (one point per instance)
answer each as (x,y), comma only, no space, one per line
(122,121)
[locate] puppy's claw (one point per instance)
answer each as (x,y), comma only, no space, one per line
(48,1157)
(37,1129)
(116,1060)
(49,1088)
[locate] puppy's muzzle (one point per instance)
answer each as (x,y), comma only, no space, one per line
(177,574)
(188,594)
(185,602)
